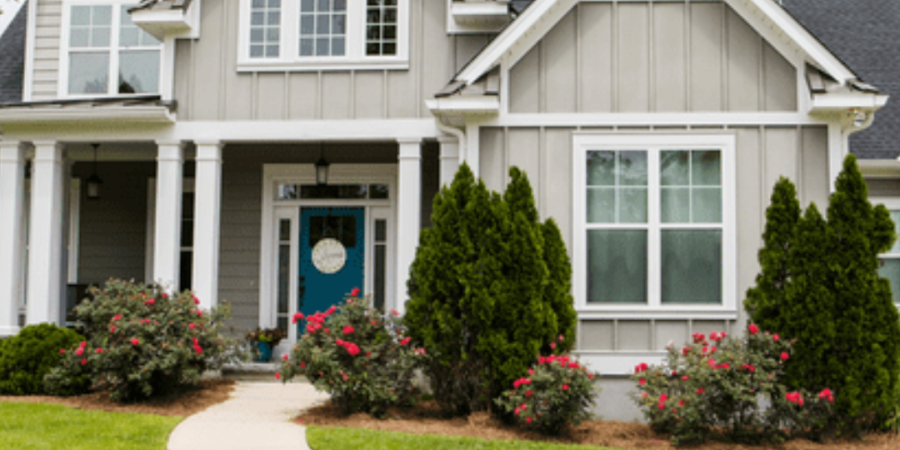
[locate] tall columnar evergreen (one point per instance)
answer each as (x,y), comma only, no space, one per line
(835,305)
(482,300)
(764,300)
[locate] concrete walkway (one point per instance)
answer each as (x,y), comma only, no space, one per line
(257,417)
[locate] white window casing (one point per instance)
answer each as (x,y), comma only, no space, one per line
(653,145)
(288,44)
(120,49)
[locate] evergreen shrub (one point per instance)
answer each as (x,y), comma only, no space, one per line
(356,354)
(820,287)
(141,342)
(717,387)
(27,357)
(489,290)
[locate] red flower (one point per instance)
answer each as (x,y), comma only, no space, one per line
(112,329)
(349,329)
(196,300)
(528,393)
(553,345)
(785,356)
(277,375)
(528,419)
(79,351)
(369,355)
(530,371)
(199,313)
(776,337)
(642,382)
(354,292)
(117,317)
(561,338)
(699,337)
(664,397)
(150,302)
(405,341)
(542,360)
(685,378)
(394,312)
(83,362)
(352,349)
(753,328)
(724,366)
(681,403)
(565,387)
(198,349)
(674,373)
(192,326)
(644,395)
(327,331)
(302,365)
(339,342)
(641,368)
(164,295)
(701,391)
(297,317)
(285,357)
(685,351)
(62,350)
(99,350)
(135,341)
(517,411)
(749,367)
(826,394)
(82,344)
(374,323)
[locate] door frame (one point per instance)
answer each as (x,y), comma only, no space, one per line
(274,210)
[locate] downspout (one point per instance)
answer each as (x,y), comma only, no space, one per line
(455,132)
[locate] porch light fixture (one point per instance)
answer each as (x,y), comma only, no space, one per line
(94,182)
(322,168)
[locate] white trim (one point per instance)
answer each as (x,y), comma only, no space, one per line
(840,102)
(273,174)
(207,230)
(486,104)
(836,153)
(476,17)
(46,239)
(74,229)
(30,38)
(653,143)
(167,231)
(891,203)
(409,214)
(652,119)
(619,363)
(354,59)
(120,114)
(113,50)
(13,195)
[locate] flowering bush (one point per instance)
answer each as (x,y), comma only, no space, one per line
(141,342)
(557,392)
(357,355)
(27,357)
(718,385)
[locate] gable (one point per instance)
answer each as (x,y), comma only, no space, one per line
(652,57)
(12,58)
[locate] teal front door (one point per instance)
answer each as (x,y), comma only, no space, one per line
(332,256)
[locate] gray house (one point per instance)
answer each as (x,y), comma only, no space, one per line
(275,154)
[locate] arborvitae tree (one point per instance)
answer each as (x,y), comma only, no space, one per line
(481,298)
(836,307)
(764,300)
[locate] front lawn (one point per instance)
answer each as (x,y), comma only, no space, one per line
(354,438)
(27,426)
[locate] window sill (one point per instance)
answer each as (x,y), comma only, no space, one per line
(680,312)
(248,66)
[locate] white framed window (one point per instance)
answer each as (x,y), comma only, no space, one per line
(654,224)
(103,53)
(301,35)
(890,261)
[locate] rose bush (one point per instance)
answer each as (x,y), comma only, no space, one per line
(141,342)
(557,392)
(356,354)
(719,386)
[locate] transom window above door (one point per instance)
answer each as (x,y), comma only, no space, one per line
(103,53)
(654,223)
(298,35)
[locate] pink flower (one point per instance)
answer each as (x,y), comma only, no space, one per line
(61,351)
(285,357)
(685,378)
(80,351)
(523,407)
(542,360)
(644,395)
(642,381)
(395,312)
(785,356)
(517,411)
(530,371)
(528,419)
(112,329)
(699,337)
(135,341)
(327,331)
(405,341)
(641,368)
(277,375)
(664,397)
(349,329)
(562,338)
(117,317)
(192,326)
(553,345)
(701,391)
(198,349)
(354,292)
(99,350)
(753,328)
(297,317)
(374,323)
(776,337)
(83,362)
(339,342)
(196,300)
(150,302)
(82,344)
(685,351)
(199,313)
(528,393)
(826,394)
(302,365)
(352,349)
(565,387)
(164,295)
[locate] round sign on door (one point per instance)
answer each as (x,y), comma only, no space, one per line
(329,256)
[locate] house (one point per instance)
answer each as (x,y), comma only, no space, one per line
(275,154)
(12,58)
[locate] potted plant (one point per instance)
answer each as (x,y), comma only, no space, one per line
(263,341)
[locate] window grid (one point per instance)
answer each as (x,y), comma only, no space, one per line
(91,27)
(381,28)
(265,29)
(323,27)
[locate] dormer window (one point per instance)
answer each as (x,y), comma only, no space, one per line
(104,53)
(300,35)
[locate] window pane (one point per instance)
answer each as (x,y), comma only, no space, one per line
(706,168)
(139,72)
(379,191)
(306,47)
(380,230)
(380,264)
(307,5)
(601,205)
(323,47)
(895,216)
(101,15)
(79,37)
(633,205)
(256,51)
(307,25)
(100,37)
(601,168)
(88,73)
(891,271)
(633,168)
(81,15)
(337,47)
(284,230)
(707,204)
(617,266)
(128,36)
(284,277)
(265,19)
(692,266)
(675,204)
(185,271)
(271,51)
(673,168)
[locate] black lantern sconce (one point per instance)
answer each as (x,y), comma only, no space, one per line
(322,168)
(94,183)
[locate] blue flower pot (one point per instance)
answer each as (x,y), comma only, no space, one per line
(265,351)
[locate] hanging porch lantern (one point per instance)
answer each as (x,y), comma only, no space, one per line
(322,168)
(94,183)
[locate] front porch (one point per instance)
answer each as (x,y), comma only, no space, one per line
(224,219)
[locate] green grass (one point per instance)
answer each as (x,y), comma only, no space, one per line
(357,438)
(34,426)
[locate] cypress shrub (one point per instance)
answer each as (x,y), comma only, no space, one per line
(27,357)
(482,300)
(833,303)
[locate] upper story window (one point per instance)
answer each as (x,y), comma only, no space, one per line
(302,35)
(655,223)
(105,53)
(890,261)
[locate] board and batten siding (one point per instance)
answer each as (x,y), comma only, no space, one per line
(652,57)
(208,86)
(763,155)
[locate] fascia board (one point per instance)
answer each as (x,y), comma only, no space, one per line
(158,114)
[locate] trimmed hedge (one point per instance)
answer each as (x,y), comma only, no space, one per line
(27,357)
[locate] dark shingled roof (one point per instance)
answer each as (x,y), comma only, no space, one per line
(865,34)
(12,58)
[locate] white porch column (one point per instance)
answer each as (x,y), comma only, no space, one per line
(45,238)
(12,198)
(409,206)
(449,159)
(207,204)
(167,242)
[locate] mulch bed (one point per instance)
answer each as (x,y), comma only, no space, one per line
(187,403)
(426,419)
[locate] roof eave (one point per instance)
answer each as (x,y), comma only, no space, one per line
(116,114)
